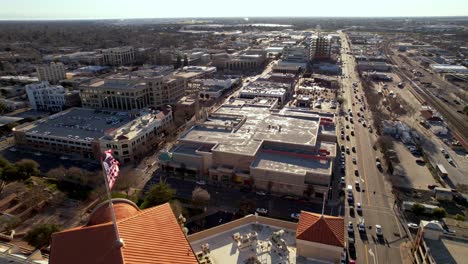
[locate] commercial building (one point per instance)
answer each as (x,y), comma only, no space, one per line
(87,133)
(54,98)
(52,72)
(267,240)
(249,142)
(119,56)
(213,88)
(243,63)
(132,91)
(319,47)
(296,54)
(374,66)
(447,68)
(280,91)
(435,245)
(153,235)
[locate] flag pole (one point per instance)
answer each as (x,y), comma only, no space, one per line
(119,242)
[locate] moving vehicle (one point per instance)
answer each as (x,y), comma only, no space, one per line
(350,189)
(350,227)
(362,226)
(441,171)
(262,193)
(200,182)
(413,226)
(359,208)
(378,230)
(261,211)
(295,216)
(343,181)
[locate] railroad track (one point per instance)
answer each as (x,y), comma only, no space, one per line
(459,127)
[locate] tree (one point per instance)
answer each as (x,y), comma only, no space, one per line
(200,196)
(185,60)
(385,143)
(28,167)
(39,236)
(177,208)
(10,174)
(159,194)
(178,62)
(418,209)
(3,108)
(439,213)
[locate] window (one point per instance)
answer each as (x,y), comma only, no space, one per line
(125,152)
(124,145)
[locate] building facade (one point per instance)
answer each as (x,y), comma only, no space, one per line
(43,96)
(319,47)
(119,56)
(53,72)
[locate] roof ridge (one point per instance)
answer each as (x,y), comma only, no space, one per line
(142,212)
(332,231)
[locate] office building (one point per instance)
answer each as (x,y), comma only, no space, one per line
(153,235)
(249,142)
(319,47)
(296,54)
(53,72)
(119,56)
(87,133)
(54,98)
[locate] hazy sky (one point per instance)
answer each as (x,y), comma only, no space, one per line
(71,9)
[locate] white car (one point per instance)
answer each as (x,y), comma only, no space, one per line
(262,193)
(413,226)
(343,181)
(362,226)
(261,211)
(350,227)
(200,182)
(295,216)
(359,207)
(378,230)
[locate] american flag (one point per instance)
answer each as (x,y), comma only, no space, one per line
(111,166)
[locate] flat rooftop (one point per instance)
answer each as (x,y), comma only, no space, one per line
(78,122)
(448,250)
(290,162)
(260,124)
(224,249)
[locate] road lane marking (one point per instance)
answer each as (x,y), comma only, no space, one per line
(367,256)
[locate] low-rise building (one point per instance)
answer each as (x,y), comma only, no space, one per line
(53,98)
(87,133)
(374,66)
(248,142)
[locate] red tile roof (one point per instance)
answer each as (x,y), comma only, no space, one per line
(322,229)
(150,236)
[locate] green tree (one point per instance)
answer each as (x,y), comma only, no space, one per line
(3,108)
(4,162)
(39,236)
(10,173)
(418,209)
(28,167)
(439,213)
(159,194)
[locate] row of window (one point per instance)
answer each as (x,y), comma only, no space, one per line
(39,138)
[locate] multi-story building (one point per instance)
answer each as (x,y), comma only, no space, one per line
(319,47)
(250,142)
(54,98)
(132,92)
(119,56)
(87,133)
(245,62)
(52,72)
(296,54)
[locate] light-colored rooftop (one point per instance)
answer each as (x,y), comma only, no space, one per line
(260,124)
(448,250)
(290,162)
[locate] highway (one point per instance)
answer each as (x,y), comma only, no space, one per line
(375,194)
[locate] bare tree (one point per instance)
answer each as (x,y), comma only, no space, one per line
(200,196)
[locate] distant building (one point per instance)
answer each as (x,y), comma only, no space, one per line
(54,98)
(319,47)
(374,66)
(296,54)
(153,235)
(53,72)
(447,68)
(119,56)
(87,133)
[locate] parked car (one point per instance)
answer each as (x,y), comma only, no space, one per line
(343,181)
(356,172)
(413,226)
(295,216)
(420,162)
(350,227)
(200,182)
(362,226)
(359,208)
(261,211)
(262,193)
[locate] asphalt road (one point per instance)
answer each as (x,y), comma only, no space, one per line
(377,207)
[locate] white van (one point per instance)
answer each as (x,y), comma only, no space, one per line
(350,189)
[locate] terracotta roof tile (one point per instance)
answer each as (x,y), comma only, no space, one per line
(322,229)
(150,236)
